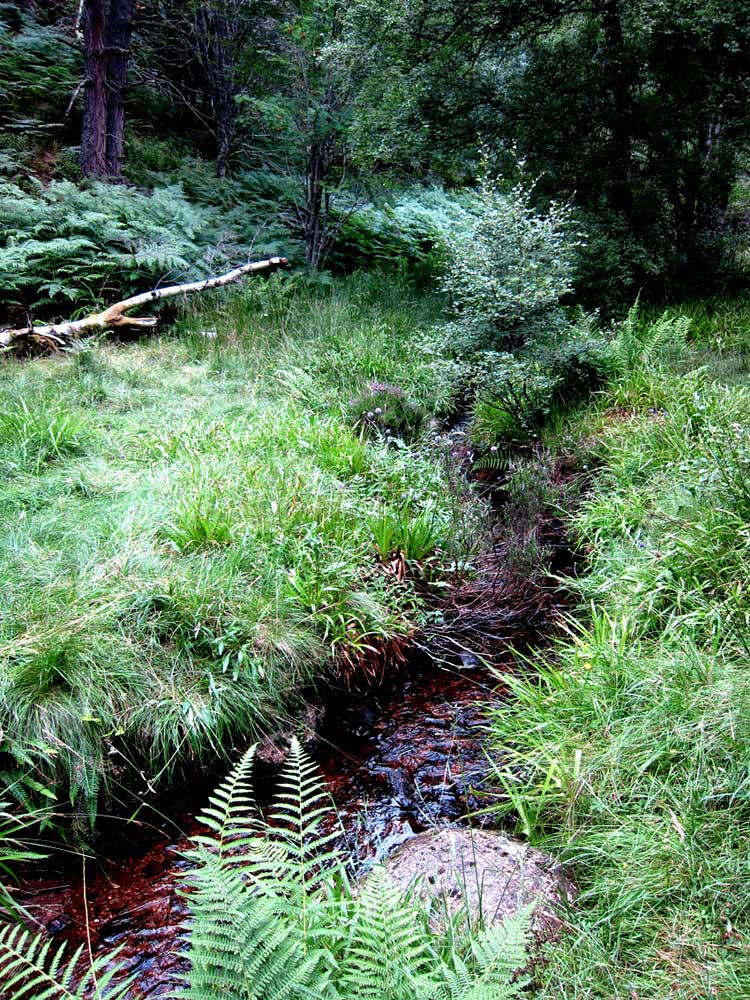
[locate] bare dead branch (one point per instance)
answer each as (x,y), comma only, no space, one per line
(59,334)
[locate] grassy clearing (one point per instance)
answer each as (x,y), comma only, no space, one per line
(627,750)
(195,528)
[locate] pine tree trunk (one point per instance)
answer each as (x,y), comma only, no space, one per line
(617,78)
(118,31)
(94,131)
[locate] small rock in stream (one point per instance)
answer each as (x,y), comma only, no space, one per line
(59,924)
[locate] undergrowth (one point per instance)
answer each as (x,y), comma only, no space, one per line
(189,530)
(626,749)
(273,914)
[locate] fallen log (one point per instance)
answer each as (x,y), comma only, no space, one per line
(56,335)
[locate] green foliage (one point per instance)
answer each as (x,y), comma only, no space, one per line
(34,435)
(410,232)
(644,346)
(518,395)
(39,71)
(32,969)
(416,537)
(63,244)
(14,849)
(273,914)
(643,92)
(508,269)
(655,98)
(514,400)
(385,410)
(525,356)
(625,748)
(198,523)
(188,540)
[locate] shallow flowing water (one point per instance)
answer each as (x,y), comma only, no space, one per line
(397,760)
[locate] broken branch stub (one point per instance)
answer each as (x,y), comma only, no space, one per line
(57,335)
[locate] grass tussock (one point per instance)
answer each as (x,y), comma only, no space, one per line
(188,529)
(627,749)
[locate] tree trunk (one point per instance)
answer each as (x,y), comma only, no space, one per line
(216,43)
(94,131)
(618,81)
(118,31)
(225,127)
(316,208)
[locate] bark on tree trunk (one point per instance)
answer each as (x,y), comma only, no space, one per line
(94,131)
(317,203)
(618,81)
(215,39)
(225,128)
(118,31)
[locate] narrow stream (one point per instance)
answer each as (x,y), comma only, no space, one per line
(397,760)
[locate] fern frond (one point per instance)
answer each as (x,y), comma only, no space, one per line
(31,970)
(642,346)
(299,810)
(498,461)
(277,917)
(665,340)
(500,950)
(496,956)
(242,944)
(390,954)
(231,813)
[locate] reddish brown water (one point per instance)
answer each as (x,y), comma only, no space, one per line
(397,760)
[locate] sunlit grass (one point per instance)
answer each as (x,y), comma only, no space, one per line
(186,540)
(626,749)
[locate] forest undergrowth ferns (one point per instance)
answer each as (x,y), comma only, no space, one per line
(625,749)
(275,917)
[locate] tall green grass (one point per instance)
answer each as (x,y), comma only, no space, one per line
(626,749)
(187,533)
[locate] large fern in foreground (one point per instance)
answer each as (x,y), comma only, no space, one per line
(274,915)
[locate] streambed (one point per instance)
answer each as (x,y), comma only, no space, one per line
(397,760)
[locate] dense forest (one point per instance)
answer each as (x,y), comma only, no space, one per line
(375,354)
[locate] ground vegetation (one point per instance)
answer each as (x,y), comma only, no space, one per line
(498,218)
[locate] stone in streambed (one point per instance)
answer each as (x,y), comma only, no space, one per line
(495,875)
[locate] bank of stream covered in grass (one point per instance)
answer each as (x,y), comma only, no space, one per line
(205,526)
(626,749)
(198,527)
